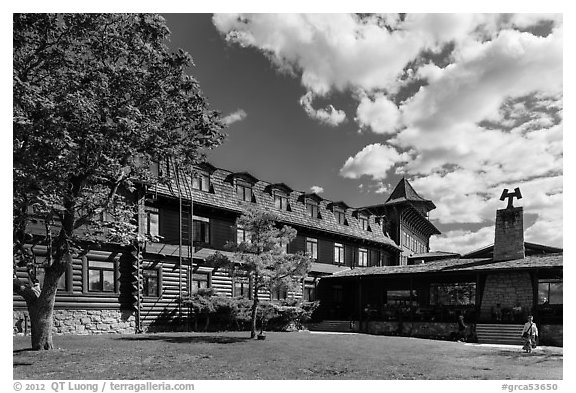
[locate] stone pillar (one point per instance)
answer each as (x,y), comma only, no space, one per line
(509,234)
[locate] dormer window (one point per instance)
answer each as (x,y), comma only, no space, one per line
(280,193)
(340,216)
(312,204)
(363,223)
(244,191)
(312,208)
(280,200)
(201,181)
(243,184)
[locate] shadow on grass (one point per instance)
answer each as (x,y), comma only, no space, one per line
(23,350)
(188,339)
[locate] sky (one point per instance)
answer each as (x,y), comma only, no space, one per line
(462,105)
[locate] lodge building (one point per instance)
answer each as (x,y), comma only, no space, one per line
(366,256)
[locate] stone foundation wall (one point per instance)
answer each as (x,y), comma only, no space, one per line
(82,321)
(508,290)
(437,330)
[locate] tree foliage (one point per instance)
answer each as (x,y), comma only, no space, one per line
(263,256)
(97,98)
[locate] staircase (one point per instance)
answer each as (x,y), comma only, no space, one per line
(330,326)
(491,333)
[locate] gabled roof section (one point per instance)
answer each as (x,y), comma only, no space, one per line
(279,186)
(529,249)
(312,195)
(206,167)
(551,261)
(339,204)
(242,175)
(404,192)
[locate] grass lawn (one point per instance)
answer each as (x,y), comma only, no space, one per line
(298,355)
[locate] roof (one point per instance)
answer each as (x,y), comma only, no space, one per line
(222,195)
(458,265)
(434,255)
(530,249)
(404,192)
(327,268)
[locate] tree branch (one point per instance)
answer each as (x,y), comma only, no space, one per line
(24,290)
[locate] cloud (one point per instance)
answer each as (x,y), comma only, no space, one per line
(463,241)
(234,117)
(329,115)
(379,114)
(317,189)
(374,160)
(466,104)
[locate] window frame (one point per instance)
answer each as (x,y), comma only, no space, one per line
(312,208)
(204,223)
(364,222)
(202,180)
(86,270)
(282,198)
(340,216)
(159,286)
(152,211)
(246,235)
(244,186)
(314,243)
(363,251)
(550,281)
(339,252)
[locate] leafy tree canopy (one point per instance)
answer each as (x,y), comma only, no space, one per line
(97,99)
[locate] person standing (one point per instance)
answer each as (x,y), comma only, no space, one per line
(529,335)
(462,336)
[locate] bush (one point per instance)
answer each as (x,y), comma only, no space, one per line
(224,313)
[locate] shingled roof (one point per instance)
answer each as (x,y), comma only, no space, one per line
(222,195)
(404,192)
(458,265)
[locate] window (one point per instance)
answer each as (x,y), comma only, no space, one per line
(241,287)
(200,281)
(312,247)
(201,181)
(152,222)
(340,217)
(401,297)
(363,222)
(243,235)
(244,192)
(312,208)
(309,294)
(338,253)
(550,292)
(461,293)
(384,259)
(280,201)
(362,257)
(279,293)
(101,276)
(201,230)
(151,282)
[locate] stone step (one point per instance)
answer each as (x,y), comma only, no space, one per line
(499,334)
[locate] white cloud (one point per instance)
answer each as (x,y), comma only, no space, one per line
(374,160)
(317,189)
(380,114)
(234,117)
(462,241)
(489,115)
(329,115)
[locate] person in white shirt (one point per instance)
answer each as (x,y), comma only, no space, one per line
(529,335)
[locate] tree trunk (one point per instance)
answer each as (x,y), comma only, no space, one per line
(254,313)
(41,321)
(41,309)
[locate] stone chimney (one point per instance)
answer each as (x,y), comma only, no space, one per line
(509,236)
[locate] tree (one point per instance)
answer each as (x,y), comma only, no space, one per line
(97,99)
(263,258)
